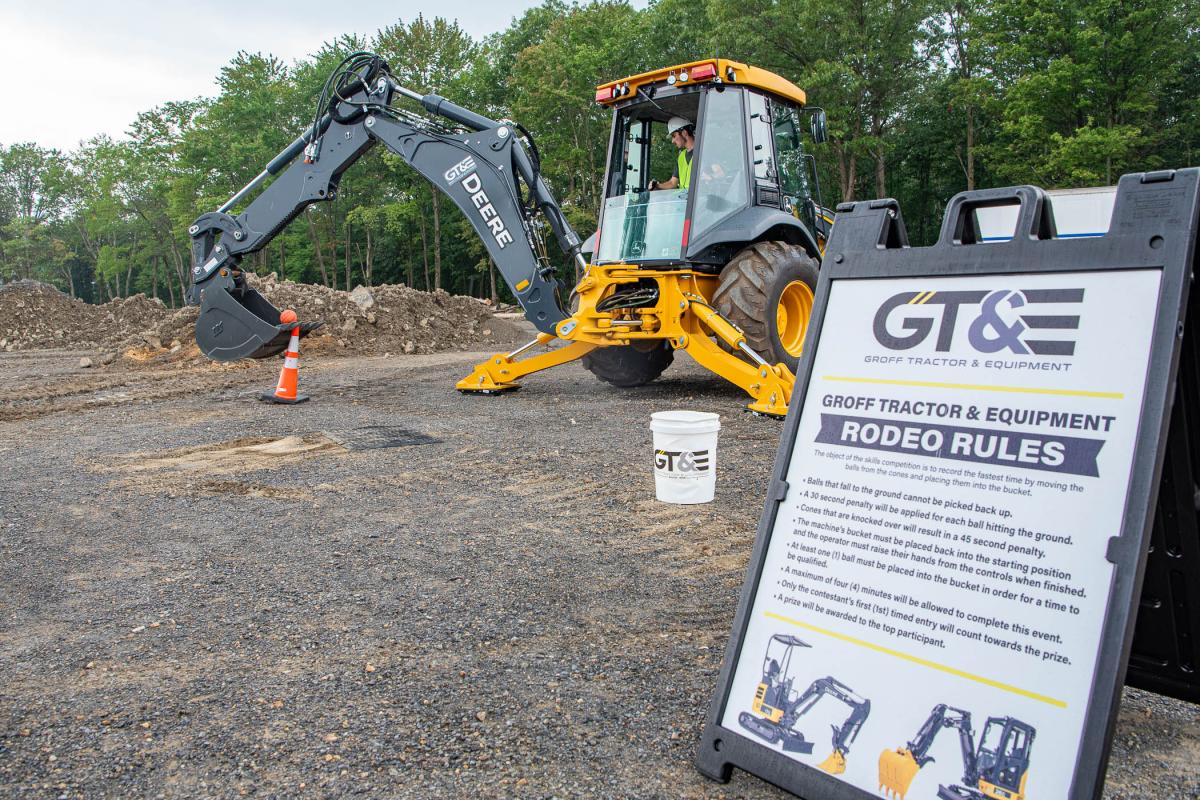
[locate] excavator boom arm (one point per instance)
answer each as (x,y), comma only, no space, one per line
(860,708)
(481,171)
(847,732)
(944,716)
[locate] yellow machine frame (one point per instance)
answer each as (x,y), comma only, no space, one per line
(682,315)
(760,707)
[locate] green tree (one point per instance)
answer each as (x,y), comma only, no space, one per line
(150,168)
(427,56)
(486,85)
(33,182)
(553,95)
(1083,85)
(678,31)
(859,61)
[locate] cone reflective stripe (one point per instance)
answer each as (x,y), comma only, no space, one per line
(289,376)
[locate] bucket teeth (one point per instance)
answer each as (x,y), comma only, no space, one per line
(835,764)
(897,768)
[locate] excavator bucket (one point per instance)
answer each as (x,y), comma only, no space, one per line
(897,768)
(835,764)
(238,322)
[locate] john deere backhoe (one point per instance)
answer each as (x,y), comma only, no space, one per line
(995,771)
(724,269)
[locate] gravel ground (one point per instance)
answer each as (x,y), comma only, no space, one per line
(206,596)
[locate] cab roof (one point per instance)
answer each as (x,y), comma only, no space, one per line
(711,70)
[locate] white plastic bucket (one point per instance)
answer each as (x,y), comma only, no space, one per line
(685,455)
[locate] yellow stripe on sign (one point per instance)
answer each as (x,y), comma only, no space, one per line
(916,301)
(977,387)
(928,298)
(1041,698)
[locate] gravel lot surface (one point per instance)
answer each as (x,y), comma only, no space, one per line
(206,596)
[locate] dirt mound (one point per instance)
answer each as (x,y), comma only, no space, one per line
(389,318)
(382,319)
(132,314)
(36,315)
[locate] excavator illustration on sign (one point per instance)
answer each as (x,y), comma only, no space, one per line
(777,707)
(997,770)
(723,269)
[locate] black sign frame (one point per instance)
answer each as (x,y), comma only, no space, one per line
(1154,226)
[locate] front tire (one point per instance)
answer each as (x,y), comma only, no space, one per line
(767,290)
(631,365)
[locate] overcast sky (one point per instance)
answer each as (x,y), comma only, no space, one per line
(72,70)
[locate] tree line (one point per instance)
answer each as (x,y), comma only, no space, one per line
(925,98)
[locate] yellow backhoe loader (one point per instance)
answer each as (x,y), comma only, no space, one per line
(721,265)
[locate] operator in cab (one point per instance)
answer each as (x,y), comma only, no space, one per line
(683,136)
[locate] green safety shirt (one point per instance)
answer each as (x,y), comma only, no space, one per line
(683,168)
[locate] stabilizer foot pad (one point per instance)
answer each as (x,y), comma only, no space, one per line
(498,391)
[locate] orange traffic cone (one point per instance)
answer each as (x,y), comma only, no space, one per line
(289,376)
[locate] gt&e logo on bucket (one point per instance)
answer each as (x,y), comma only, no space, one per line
(681,460)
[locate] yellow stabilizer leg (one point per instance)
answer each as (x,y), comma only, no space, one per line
(770,386)
(897,768)
(835,764)
(500,372)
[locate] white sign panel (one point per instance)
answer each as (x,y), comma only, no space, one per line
(935,587)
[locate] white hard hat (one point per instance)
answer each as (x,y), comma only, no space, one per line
(677,123)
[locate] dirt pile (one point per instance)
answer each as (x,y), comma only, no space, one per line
(389,318)
(382,319)
(35,315)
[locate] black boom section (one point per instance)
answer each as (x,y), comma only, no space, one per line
(298,187)
(481,172)
(477,173)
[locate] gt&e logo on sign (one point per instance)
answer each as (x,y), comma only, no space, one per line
(905,320)
(681,460)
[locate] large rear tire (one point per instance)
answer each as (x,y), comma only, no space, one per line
(767,290)
(630,365)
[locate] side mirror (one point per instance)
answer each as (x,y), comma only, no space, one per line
(817,125)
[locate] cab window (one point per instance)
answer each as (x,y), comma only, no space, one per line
(720,181)
(637,224)
(790,157)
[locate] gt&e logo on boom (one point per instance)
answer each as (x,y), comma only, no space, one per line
(460,169)
(905,320)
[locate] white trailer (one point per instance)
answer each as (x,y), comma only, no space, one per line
(1077,213)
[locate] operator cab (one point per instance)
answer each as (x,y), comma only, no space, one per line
(1004,751)
(778,675)
(748,157)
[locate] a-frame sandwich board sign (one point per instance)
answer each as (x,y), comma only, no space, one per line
(956,528)
(1166,640)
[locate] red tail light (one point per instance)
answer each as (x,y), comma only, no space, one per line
(604,94)
(704,72)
